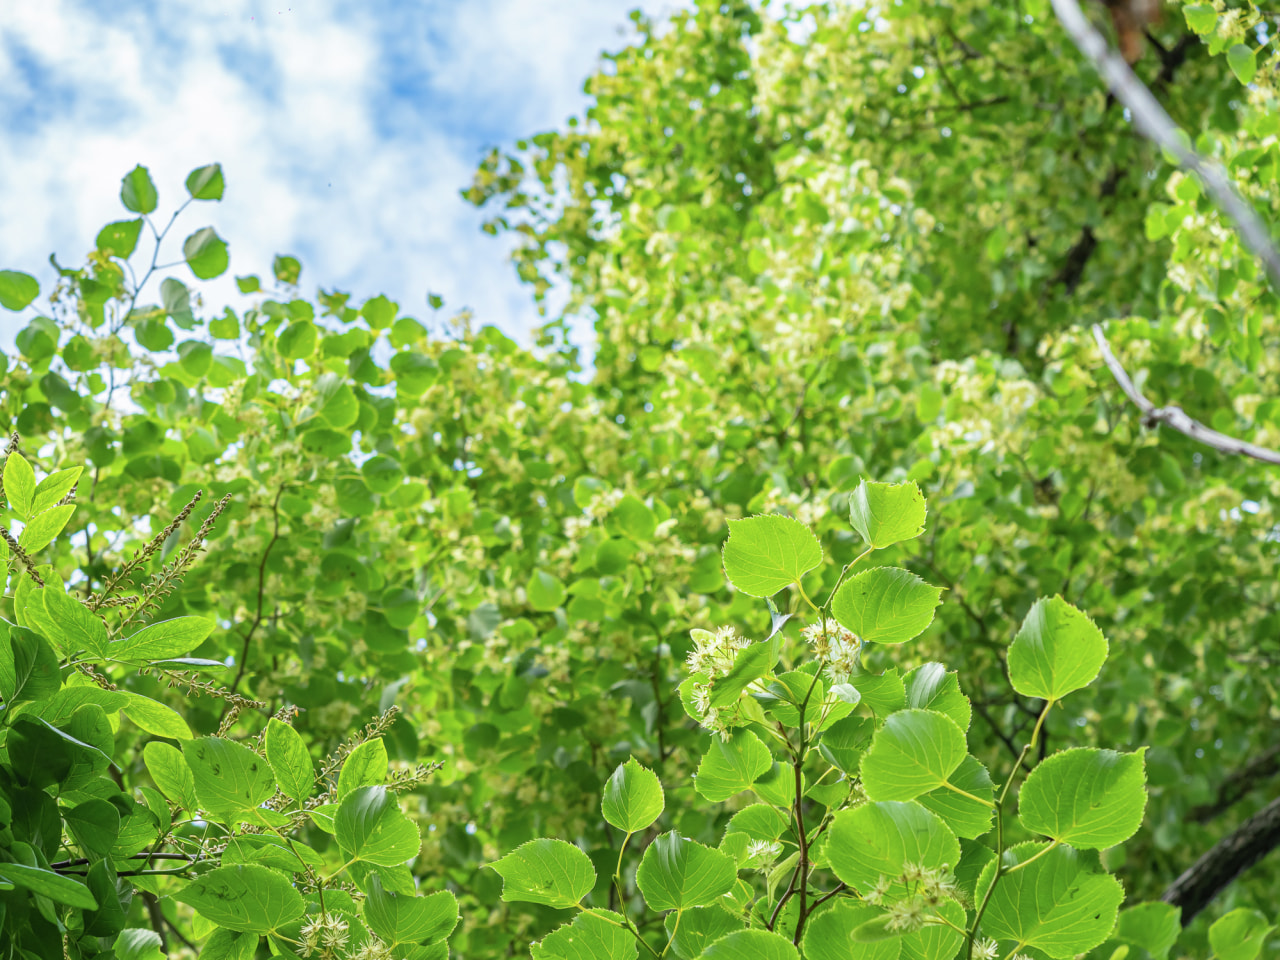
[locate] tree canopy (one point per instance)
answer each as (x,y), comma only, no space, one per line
(841,265)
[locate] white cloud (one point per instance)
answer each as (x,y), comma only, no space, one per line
(345,131)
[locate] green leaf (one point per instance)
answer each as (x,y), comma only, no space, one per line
(19,484)
(1153,926)
(749,664)
(1239,935)
(593,935)
(230,778)
(930,687)
(28,667)
(17,289)
(246,898)
(227,944)
(633,797)
(676,873)
(1089,798)
(41,530)
(205,183)
(936,941)
(751,945)
(298,340)
(827,935)
(137,944)
(398,918)
(119,239)
(290,760)
(49,884)
(1055,903)
(1243,62)
(765,554)
(137,192)
(546,591)
(845,741)
(206,253)
(169,770)
(53,488)
(370,826)
(156,718)
(965,816)
(692,931)
(1057,650)
(914,752)
(286,269)
(635,519)
(885,605)
(876,839)
(66,622)
(160,641)
(365,766)
(887,513)
(551,872)
(1202,18)
(731,766)
(94,824)
(177,302)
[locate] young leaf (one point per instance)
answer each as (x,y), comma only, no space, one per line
(1055,903)
(1089,798)
(159,641)
(749,664)
(676,873)
(53,488)
(887,513)
(229,777)
(751,945)
(765,554)
(205,253)
(290,760)
(42,529)
(828,934)
(1153,926)
(885,605)
(155,718)
(168,768)
(551,872)
(247,898)
(19,484)
(137,192)
(967,817)
(545,590)
(1239,935)
(398,918)
(1057,650)
(633,797)
(370,826)
(17,289)
(119,239)
(593,935)
(1201,17)
(731,766)
(914,752)
(876,839)
(205,183)
(365,766)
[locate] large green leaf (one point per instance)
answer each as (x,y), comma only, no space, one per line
(914,752)
(28,667)
(17,289)
(1055,903)
(246,898)
(751,945)
(936,941)
(550,872)
(290,760)
(66,622)
(593,935)
(137,191)
(1240,934)
(930,687)
(633,797)
(42,529)
(875,840)
(966,816)
(827,934)
(19,484)
(370,826)
(229,778)
(206,183)
(168,768)
(365,766)
(1154,927)
(885,605)
(1086,797)
(765,554)
(692,931)
(731,766)
(56,887)
(398,918)
(676,873)
(1057,650)
(206,253)
(887,513)
(160,641)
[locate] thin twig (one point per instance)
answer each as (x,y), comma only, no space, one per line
(1174,416)
(1154,122)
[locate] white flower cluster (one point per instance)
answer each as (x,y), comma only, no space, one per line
(764,851)
(324,936)
(712,655)
(834,645)
(930,887)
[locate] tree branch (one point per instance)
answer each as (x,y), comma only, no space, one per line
(1174,415)
(1225,861)
(1154,123)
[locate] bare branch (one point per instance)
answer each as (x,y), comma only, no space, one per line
(1174,416)
(1154,123)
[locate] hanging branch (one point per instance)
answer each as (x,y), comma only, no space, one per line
(1174,416)
(1155,124)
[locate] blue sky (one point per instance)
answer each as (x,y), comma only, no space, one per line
(345,131)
